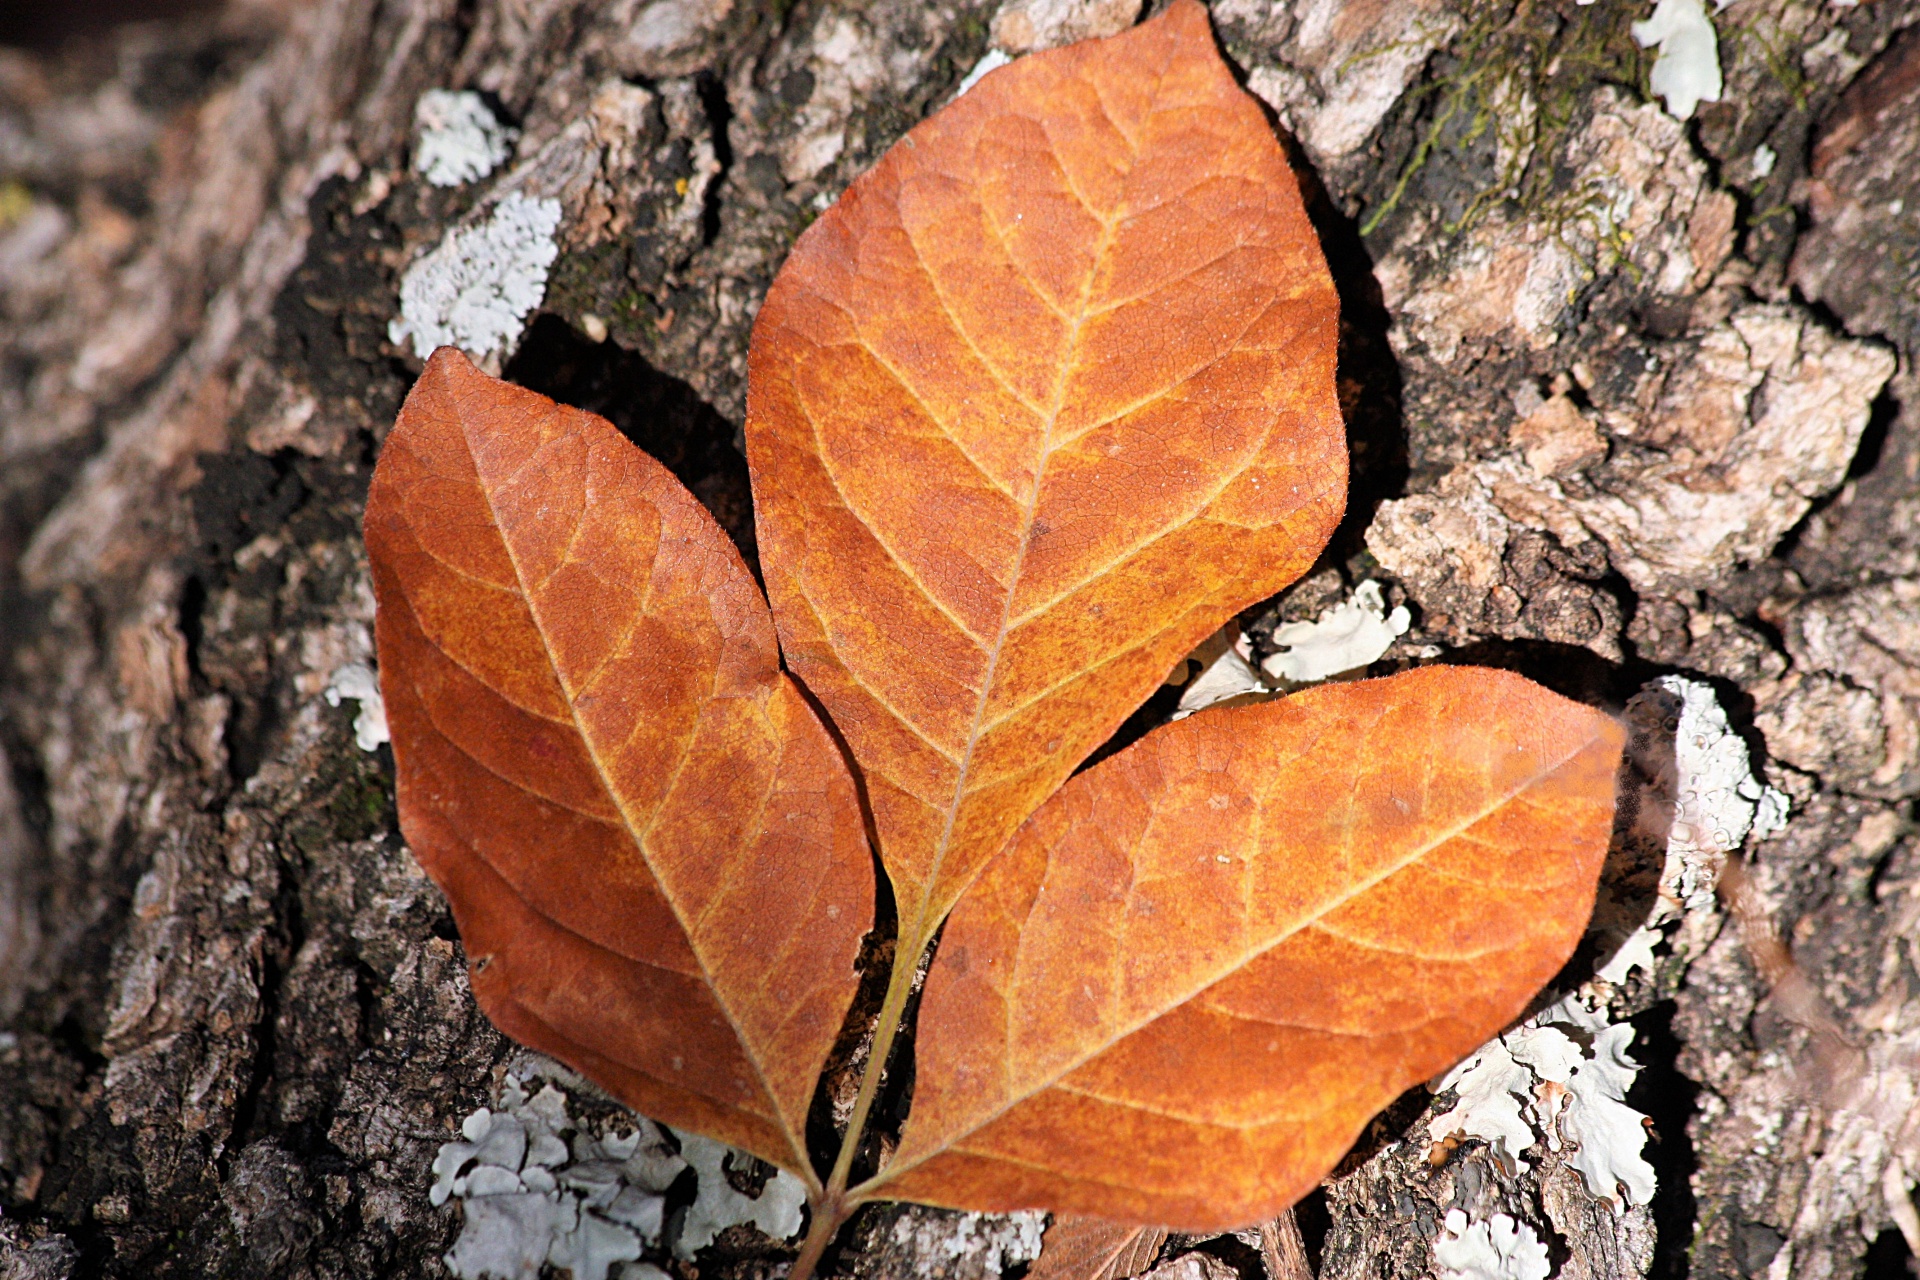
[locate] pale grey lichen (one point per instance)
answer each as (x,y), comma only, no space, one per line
(1561,1076)
(1490,1088)
(539,1189)
(717,1206)
(357,681)
(993,61)
(476,288)
(1705,802)
(998,1242)
(1718,802)
(459,139)
(1345,637)
(1498,1249)
(1687,72)
(1226,671)
(1348,636)
(1607,1135)
(1636,951)
(530,1200)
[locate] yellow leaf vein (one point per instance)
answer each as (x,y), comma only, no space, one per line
(859,682)
(1057,1071)
(907,571)
(638,835)
(945,433)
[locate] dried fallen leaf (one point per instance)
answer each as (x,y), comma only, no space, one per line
(1227,947)
(653,849)
(1044,399)
(1095,1249)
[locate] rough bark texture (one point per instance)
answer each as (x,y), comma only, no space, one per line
(1619,395)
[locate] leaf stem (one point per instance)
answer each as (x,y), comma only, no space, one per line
(832,1207)
(906,961)
(827,1219)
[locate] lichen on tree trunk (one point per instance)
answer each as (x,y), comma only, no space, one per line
(1628,398)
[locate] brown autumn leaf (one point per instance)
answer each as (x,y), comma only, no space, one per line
(1208,961)
(1095,1249)
(1043,400)
(1046,397)
(653,849)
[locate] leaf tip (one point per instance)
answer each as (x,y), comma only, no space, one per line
(449,362)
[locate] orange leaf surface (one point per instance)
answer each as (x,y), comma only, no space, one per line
(1202,967)
(653,849)
(1095,1249)
(1043,399)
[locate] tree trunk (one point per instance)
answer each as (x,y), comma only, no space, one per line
(1628,398)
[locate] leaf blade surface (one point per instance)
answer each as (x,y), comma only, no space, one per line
(1095,1249)
(653,849)
(1223,950)
(1045,397)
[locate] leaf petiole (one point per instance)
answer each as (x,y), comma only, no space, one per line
(832,1206)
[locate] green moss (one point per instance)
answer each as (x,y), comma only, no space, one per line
(595,279)
(598,280)
(1774,49)
(361,806)
(1551,54)
(349,797)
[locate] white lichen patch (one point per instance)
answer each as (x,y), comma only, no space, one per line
(1490,1090)
(1718,802)
(1636,951)
(1346,637)
(1687,72)
(995,1242)
(717,1206)
(457,138)
(1498,1249)
(1714,804)
(539,1189)
(1350,635)
(357,681)
(476,288)
(1226,672)
(993,61)
(531,1200)
(1560,1077)
(1606,1134)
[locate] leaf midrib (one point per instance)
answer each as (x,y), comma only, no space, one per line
(796,1148)
(1224,971)
(927,919)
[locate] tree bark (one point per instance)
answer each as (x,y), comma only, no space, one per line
(1577,333)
